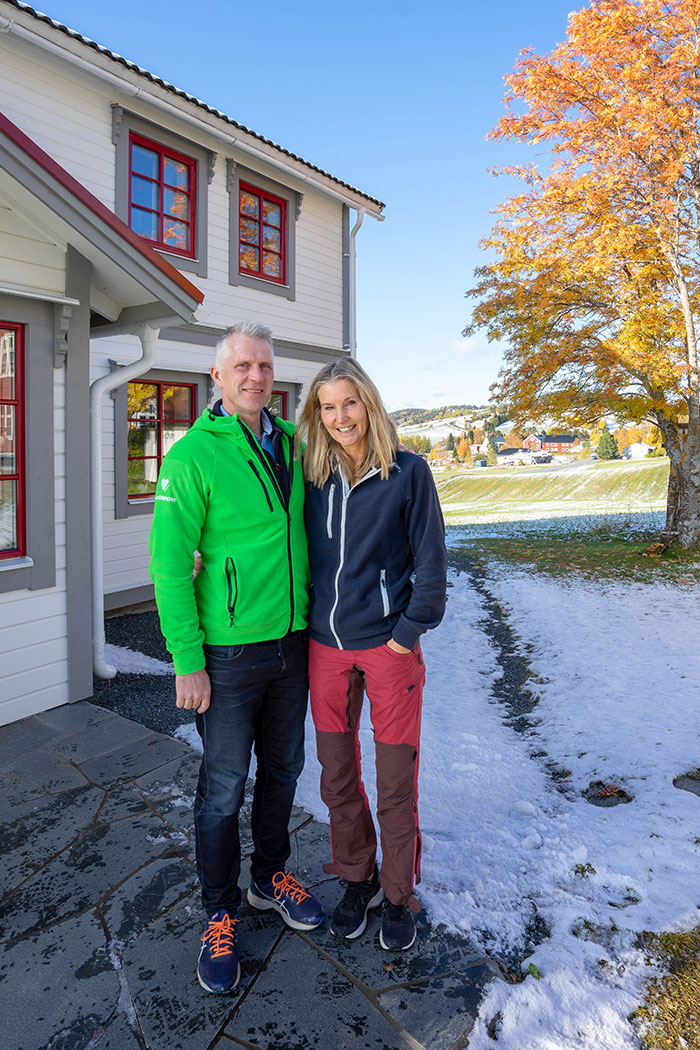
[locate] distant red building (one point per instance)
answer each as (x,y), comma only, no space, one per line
(550,442)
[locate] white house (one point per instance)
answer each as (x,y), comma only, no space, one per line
(637,450)
(136,224)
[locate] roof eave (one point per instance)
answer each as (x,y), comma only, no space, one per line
(38,174)
(129,79)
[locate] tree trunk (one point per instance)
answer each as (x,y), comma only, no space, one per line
(683,498)
(689,511)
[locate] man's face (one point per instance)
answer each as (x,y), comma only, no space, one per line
(245,375)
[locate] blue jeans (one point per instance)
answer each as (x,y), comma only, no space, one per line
(258,699)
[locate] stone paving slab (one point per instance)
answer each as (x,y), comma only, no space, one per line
(305,1001)
(81,875)
(101,918)
(70,717)
(47,771)
(146,895)
(97,739)
(15,790)
(57,988)
(143,754)
(20,737)
(440,1012)
(41,828)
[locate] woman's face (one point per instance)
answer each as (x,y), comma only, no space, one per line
(344,416)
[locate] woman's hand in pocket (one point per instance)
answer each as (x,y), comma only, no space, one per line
(395,647)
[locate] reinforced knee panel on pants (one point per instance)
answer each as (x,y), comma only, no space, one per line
(397,812)
(353,838)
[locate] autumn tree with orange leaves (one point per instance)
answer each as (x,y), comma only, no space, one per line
(595,287)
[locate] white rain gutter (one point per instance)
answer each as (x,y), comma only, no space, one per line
(98,389)
(352,281)
(8,25)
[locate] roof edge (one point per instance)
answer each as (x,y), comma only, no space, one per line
(39,16)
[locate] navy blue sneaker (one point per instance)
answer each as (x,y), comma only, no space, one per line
(297,906)
(218,968)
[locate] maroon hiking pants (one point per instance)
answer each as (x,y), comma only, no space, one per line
(394,683)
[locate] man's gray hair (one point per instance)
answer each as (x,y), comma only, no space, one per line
(249,328)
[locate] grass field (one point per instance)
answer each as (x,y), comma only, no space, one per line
(591,519)
(510,494)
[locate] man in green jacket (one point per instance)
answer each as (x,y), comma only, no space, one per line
(232,489)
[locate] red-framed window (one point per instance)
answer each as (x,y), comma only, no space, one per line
(158,414)
(162,196)
(278,403)
(262,233)
(12,464)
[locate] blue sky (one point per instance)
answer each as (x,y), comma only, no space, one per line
(393,96)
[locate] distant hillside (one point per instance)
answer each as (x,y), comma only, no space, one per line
(406,417)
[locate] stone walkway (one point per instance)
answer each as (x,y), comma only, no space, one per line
(100,917)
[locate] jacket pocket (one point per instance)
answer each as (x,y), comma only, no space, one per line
(384,593)
(231,588)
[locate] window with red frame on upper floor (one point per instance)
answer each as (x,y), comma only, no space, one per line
(162,196)
(12,468)
(262,232)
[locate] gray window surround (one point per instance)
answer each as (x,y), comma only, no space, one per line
(293,392)
(38,319)
(235,174)
(124,122)
(123,506)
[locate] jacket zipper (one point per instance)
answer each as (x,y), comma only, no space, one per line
(329,519)
(384,592)
(343,515)
(231,600)
(285,506)
(255,471)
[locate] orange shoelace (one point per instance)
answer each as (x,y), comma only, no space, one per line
(220,936)
(286,883)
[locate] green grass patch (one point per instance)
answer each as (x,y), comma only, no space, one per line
(511,492)
(670,1017)
(587,556)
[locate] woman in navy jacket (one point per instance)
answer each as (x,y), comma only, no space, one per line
(378,564)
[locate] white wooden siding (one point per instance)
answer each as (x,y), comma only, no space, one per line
(67,112)
(33,624)
(27,257)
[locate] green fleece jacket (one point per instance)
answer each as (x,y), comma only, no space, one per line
(217,493)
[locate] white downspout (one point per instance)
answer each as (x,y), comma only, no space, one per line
(353,282)
(98,389)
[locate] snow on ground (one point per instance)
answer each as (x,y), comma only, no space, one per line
(619,667)
(569,522)
(129,661)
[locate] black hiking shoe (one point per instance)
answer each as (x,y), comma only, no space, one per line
(398,930)
(350,917)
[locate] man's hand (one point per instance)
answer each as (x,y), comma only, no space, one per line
(397,648)
(193,691)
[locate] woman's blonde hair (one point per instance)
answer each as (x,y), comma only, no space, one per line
(323,454)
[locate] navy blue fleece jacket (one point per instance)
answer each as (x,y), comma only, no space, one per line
(377,557)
